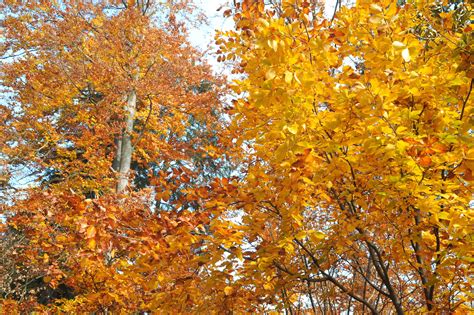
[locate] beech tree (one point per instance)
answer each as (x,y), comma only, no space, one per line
(116,120)
(358,141)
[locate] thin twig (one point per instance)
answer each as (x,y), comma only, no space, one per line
(465,101)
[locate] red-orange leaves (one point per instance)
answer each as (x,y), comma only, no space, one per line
(113,132)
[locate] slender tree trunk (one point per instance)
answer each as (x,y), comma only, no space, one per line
(118,153)
(125,144)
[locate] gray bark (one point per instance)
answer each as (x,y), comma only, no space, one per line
(125,144)
(118,153)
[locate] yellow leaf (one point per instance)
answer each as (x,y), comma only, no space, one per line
(91,231)
(400,129)
(308,181)
(325,196)
(273,44)
(267,286)
(414,114)
(228,290)
(427,236)
(292,129)
(316,236)
(470,154)
(298,219)
(264,22)
(91,244)
(288,77)
(270,75)
(415,91)
(444,215)
(239,255)
(301,235)
(398,45)
(375,7)
(406,55)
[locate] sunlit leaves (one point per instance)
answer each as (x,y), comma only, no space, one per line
(356,128)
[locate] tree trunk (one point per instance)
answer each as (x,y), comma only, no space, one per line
(118,153)
(125,144)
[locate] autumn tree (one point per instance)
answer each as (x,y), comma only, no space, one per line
(115,121)
(357,180)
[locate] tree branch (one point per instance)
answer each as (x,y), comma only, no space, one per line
(466,99)
(334,281)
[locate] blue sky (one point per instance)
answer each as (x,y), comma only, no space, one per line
(203,36)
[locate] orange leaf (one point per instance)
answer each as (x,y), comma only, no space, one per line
(425,161)
(91,232)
